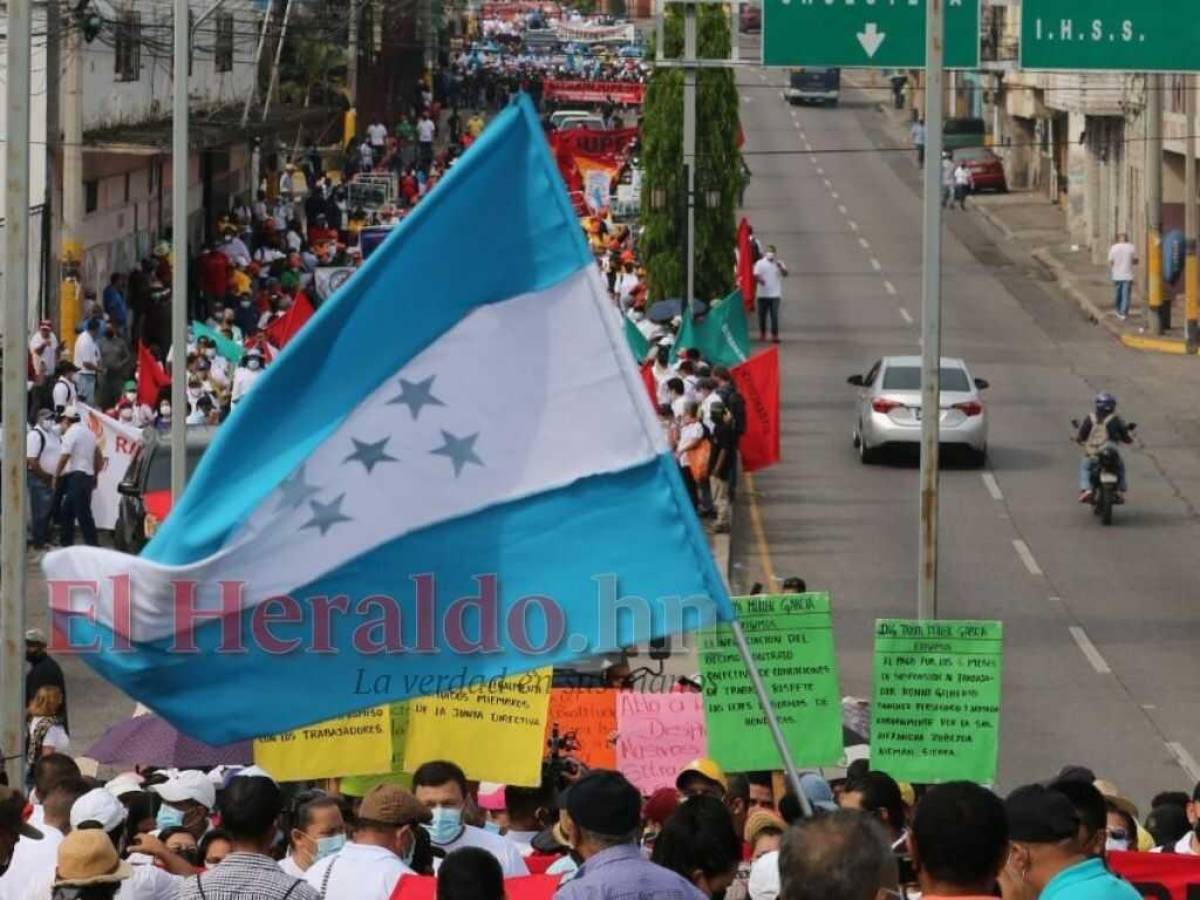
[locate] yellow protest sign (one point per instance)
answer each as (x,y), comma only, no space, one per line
(361,785)
(357,744)
(493,732)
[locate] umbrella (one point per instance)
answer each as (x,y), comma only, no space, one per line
(664,310)
(149,740)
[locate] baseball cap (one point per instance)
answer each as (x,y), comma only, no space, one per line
(605,802)
(125,783)
(704,767)
(12,814)
(818,792)
(100,806)
(392,805)
(491,796)
(188,785)
(35,636)
(71,413)
(1039,815)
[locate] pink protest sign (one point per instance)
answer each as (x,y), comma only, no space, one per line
(657,735)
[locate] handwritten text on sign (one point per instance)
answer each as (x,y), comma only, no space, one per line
(658,734)
(791,637)
(936,712)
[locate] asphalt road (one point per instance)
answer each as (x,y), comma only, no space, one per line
(1101,624)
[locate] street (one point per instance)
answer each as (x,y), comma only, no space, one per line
(1100,623)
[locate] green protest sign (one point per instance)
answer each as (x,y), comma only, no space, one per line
(791,637)
(936,709)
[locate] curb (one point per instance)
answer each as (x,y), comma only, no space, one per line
(1155,344)
(1059,271)
(996,221)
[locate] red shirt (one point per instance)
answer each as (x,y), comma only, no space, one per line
(214,273)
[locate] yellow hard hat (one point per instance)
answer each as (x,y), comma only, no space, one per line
(702,766)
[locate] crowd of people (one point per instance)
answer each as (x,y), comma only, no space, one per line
(236,833)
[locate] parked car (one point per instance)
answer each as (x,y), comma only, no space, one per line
(813,86)
(146,489)
(964,133)
(888,410)
(986,168)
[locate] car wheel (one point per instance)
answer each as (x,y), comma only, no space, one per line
(978,457)
(866,455)
(1003,189)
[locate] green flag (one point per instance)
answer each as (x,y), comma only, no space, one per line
(638,345)
(721,336)
(231,350)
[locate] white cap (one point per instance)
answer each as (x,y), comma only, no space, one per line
(764,877)
(70,413)
(125,783)
(98,805)
(188,785)
(253,772)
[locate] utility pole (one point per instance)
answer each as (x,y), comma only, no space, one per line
(931,311)
(350,125)
(258,52)
(51,208)
(1191,271)
(1157,311)
(689,144)
(70,296)
(287,11)
(179,236)
(12,475)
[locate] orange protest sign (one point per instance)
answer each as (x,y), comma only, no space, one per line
(591,715)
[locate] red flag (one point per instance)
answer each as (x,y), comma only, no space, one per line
(757,380)
(285,327)
(151,377)
(1170,876)
(651,387)
(745,268)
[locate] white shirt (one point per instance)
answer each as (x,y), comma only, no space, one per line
(360,872)
(425,129)
(31,861)
(1183,846)
(1120,260)
(627,283)
(706,406)
(45,351)
(56,735)
(690,436)
(64,393)
(87,351)
(45,446)
(522,840)
(504,850)
(962,176)
(771,283)
(288,866)
(243,380)
(378,134)
(79,444)
(947,172)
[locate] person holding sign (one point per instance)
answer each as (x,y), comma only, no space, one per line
(1045,859)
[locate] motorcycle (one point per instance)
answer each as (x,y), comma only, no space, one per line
(1106,475)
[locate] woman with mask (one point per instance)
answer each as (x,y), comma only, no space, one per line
(162,423)
(1122,832)
(314,829)
(246,375)
(699,842)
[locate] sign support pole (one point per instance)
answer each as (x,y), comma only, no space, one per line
(931,311)
(1191,269)
(689,143)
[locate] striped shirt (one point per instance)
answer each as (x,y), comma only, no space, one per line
(246,876)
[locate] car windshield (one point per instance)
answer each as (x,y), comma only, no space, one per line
(977,154)
(159,476)
(908,378)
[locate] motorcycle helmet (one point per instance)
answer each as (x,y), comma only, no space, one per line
(1106,404)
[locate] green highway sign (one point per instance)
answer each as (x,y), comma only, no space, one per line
(1112,35)
(874,34)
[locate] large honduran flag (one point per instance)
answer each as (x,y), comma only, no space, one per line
(464,407)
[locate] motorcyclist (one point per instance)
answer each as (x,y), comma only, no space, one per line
(1101,427)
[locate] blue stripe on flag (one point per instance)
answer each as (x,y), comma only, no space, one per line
(637,522)
(498,225)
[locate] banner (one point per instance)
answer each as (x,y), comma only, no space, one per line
(594,141)
(657,735)
(589,715)
(628,93)
(757,381)
(721,335)
(935,715)
(327,279)
(745,266)
(1158,876)
(230,350)
(792,640)
(357,744)
(592,33)
(119,443)
(493,731)
(597,178)
(523,887)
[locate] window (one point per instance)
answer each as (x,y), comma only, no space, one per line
(129,46)
(91,195)
(908,378)
(223,53)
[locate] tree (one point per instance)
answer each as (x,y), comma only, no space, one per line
(718,164)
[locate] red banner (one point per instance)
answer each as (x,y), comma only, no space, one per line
(1159,876)
(593,141)
(525,887)
(283,329)
(745,268)
(757,381)
(629,93)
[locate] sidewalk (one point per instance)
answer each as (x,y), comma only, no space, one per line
(1038,227)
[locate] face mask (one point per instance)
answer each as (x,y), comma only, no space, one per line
(165,411)
(252,363)
(492,826)
(57,429)
(327,846)
(1112,844)
(210,352)
(169,817)
(131,396)
(445,826)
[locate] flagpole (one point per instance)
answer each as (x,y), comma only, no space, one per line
(760,688)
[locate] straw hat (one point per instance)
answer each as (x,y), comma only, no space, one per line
(88,857)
